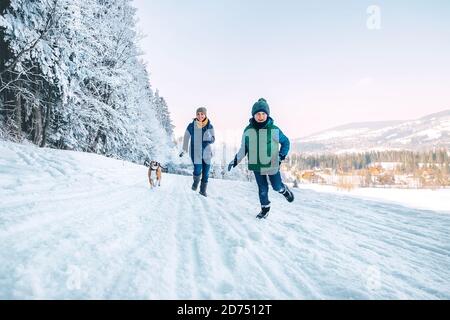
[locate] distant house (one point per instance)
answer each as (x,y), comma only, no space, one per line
(311,177)
(376,170)
(307,175)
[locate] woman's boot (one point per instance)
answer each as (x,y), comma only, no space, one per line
(196,182)
(203,187)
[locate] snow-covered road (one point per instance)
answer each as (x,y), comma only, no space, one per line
(81,226)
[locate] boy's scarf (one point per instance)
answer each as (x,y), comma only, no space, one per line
(259,125)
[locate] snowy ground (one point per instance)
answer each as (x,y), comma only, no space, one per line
(437,200)
(75,225)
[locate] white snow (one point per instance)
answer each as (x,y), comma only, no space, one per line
(335,134)
(427,199)
(82,226)
(387,165)
(430,133)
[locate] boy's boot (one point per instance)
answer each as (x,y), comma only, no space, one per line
(264,212)
(287,194)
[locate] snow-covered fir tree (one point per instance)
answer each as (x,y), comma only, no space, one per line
(163,113)
(71,78)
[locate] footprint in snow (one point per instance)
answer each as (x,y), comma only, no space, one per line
(225,287)
(255,236)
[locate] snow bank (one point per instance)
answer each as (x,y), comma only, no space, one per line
(436,200)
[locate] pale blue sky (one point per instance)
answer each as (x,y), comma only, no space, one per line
(316,62)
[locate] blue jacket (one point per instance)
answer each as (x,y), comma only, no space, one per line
(200,140)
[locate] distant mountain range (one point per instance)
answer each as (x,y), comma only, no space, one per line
(421,134)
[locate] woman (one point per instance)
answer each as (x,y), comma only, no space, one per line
(200,132)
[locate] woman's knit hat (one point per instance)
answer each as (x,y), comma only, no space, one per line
(201,109)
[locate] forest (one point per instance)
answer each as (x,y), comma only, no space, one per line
(71,77)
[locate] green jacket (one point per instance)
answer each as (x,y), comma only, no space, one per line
(262,146)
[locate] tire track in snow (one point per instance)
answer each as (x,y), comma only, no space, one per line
(205,261)
(64,244)
(149,258)
(237,248)
(38,214)
(211,251)
(184,237)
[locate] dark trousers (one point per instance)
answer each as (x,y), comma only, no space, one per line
(263,186)
(202,169)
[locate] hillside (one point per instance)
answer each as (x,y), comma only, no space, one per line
(82,226)
(421,134)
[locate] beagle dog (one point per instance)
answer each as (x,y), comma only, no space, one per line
(156,167)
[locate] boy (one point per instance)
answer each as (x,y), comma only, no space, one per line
(261,141)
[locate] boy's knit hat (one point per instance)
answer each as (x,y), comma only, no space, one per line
(201,109)
(261,106)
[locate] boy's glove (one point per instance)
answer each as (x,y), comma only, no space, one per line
(282,157)
(181,154)
(232,164)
